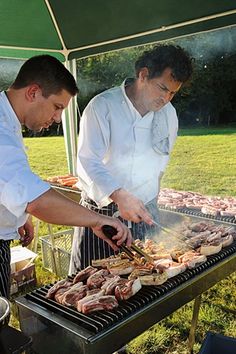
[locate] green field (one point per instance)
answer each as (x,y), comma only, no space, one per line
(204,161)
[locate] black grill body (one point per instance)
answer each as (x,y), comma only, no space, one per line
(57,329)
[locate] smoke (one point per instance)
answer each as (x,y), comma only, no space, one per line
(172,238)
(207,45)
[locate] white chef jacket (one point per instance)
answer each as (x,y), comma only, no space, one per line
(115,148)
(18,184)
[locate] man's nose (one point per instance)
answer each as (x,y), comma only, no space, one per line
(167,96)
(57,117)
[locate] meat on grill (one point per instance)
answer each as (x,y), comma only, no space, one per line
(105,302)
(59,294)
(210,248)
(171,268)
(174,269)
(88,298)
(198,227)
(121,268)
(215,206)
(106,262)
(91,284)
(211,210)
(191,259)
(97,278)
(74,294)
(60,284)
(84,274)
(152,279)
(227,240)
(110,284)
(127,289)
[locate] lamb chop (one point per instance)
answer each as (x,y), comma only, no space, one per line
(127,289)
(59,294)
(171,268)
(210,248)
(153,279)
(121,268)
(227,240)
(191,259)
(84,274)
(97,279)
(77,292)
(108,284)
(198,226)
(87,299)
(60,284)
(105,302)
(174,269)
(110,287)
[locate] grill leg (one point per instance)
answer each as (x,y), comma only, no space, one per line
(196,308)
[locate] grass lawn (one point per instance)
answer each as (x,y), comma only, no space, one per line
(204,161)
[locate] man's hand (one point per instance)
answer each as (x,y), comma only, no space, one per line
(26,232)
(123,233)
(130,207)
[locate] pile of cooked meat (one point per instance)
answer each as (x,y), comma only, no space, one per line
(111,280)
(64,180)
(215,206)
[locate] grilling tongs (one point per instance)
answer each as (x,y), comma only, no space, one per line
(110,231)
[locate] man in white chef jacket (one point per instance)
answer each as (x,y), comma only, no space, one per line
(36,99)
(126,136)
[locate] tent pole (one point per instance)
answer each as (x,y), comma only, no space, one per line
(70,125)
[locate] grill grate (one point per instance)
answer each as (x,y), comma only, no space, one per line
(98,322)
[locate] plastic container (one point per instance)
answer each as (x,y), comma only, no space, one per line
(218,344)
(56,251)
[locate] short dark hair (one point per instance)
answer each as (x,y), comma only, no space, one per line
(166,56)
(49,73)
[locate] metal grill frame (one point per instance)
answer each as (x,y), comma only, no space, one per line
(123,331)
(71,337)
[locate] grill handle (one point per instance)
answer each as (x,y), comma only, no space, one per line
(109,232)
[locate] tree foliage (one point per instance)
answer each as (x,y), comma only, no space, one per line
(209,98)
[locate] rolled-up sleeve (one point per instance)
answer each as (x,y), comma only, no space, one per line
(18,184)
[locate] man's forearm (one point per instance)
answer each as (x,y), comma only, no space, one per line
(55,208)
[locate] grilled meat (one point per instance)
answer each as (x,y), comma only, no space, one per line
(105,302)
(210,248)
(88,298)
(153,279)
(97,278)
(60,284)
(84,274)
(127,289)
(71,296)
(121,268)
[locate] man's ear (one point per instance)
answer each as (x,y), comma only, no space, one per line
(32,92)
(143,74)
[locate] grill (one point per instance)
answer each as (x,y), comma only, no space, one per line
(58,329)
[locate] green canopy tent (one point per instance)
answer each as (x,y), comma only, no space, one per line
(72,29)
